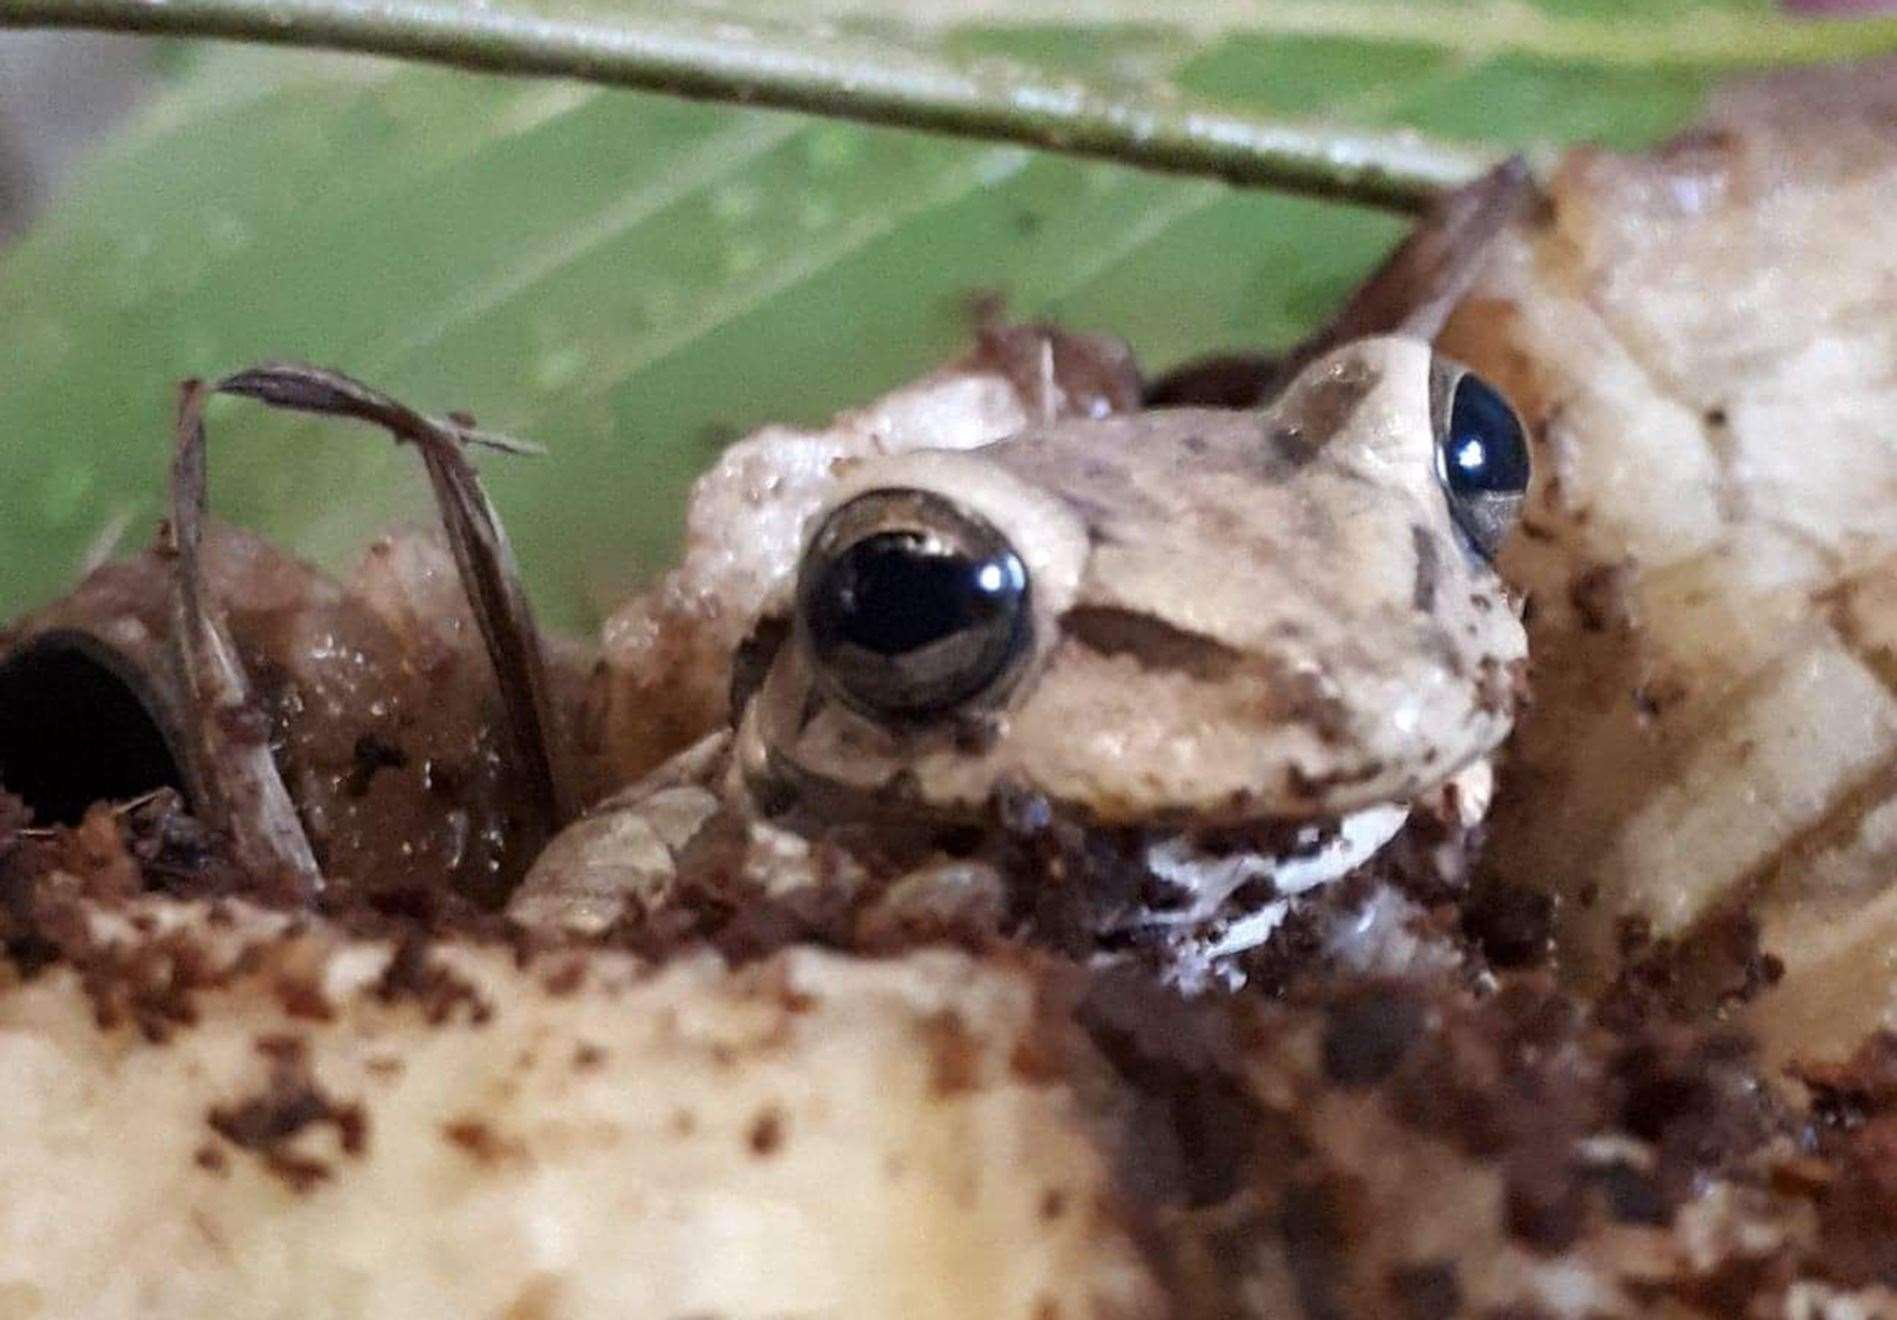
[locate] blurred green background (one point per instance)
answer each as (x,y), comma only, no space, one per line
(633,280)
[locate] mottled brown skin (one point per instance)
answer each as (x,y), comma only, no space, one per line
(1237,615)
(1263,623)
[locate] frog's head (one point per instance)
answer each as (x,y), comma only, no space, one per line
(1165,617)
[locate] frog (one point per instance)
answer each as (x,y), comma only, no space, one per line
(1170,685)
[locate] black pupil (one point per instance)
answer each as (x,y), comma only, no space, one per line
(910,625)
(890,595)
(1485,451)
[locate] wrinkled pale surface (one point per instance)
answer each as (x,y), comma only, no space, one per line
(811,1136)
(1707,344)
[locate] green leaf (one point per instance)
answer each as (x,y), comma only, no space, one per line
(630,279)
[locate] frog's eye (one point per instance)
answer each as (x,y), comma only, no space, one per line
(1481,458)
(911,606)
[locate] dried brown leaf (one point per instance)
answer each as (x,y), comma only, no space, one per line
(226,732)
(482,554)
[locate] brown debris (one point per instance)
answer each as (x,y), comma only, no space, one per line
(1426,1292)
(52,883)
(481,550)
(714,905)
(386,670)
(1598,594)
(481,1142)
(415,976)
(1853,1136)
(1540,1129)
(178,854)
(1512,924)
(269,1123)
(224,728)
(1258,1114)
(954,1053)
(1846,1095)
(1720,964)
(1195,1124)
(767,1134)
(1368,1032)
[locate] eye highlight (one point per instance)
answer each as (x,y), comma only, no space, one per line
(1481,457)
(910,606)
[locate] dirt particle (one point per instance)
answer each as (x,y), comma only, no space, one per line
(284,1050)
(269,1123)
(1633,1196)
(1368,1032)
(1428,1291)
(1845,1094)
(252,1125)
(1545,1205)
(1312,1222)
(370,754)
(279,1114)
(1513,924)
(481,1142)
(415,976)
(302,996)
(954,1055)
(1599,596)
(1654,699)
(566,979)
(1517,1311)
(767,1134)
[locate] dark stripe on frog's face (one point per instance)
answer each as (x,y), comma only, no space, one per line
(1153,642)
(1161,647)
(1429,568)
(1314,411)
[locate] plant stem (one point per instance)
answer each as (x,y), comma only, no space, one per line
(874,80)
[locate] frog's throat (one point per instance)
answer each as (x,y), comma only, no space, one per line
(1320,853)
